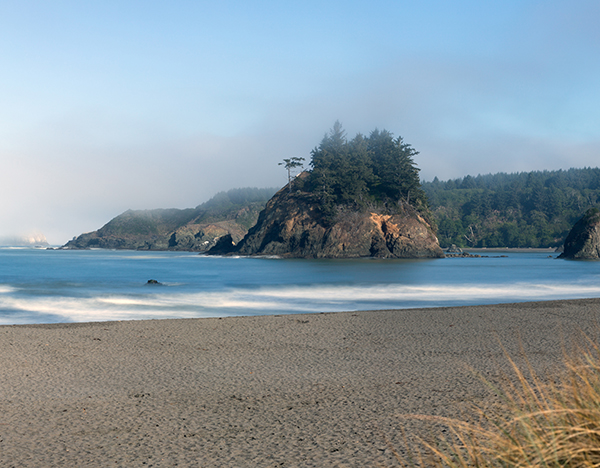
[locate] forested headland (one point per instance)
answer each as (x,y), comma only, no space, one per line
(192,229)
(526,209)
(374,173)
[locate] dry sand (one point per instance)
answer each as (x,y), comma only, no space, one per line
(318,390)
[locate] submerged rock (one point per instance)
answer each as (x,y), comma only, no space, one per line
(453,249)
(583,242)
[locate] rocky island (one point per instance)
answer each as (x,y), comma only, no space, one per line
(291,225)
(362,198)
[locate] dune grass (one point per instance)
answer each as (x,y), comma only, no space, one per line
(551,422)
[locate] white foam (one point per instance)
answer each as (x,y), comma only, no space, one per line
(281,300)
(5,289)
(123,301)
(428,293)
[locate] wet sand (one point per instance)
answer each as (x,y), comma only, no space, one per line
(319,390)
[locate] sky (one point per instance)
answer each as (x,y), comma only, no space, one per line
(115,105)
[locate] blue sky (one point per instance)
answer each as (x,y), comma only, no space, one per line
(106,106)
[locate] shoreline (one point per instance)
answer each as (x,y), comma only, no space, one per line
(322,389)
(511,249)
(478,250)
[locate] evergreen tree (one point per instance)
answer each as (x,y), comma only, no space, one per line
(291,164)
(364,171)
(395,168)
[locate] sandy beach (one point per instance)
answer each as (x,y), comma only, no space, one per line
(319,390)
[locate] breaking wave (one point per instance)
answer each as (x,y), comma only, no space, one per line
(274,300)
(40,286)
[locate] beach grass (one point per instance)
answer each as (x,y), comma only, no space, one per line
(550,422)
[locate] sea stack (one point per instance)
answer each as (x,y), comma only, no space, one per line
(583,242)
(292,226)
(360,198)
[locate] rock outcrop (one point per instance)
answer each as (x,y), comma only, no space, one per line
(223,246)
(453,249)
(193,229)
(292,225)
(157,230)
(583,242)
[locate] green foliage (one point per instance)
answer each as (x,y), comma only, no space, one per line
(592,215)
(145,222)
(527,209)
(364,171)
(395,169)
(237,197)
(241,204)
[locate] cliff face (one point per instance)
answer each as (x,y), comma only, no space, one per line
(197,229)
(194,229)
(291,226)
(583,242)
(159,230)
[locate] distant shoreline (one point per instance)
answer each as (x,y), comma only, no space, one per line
(509,249)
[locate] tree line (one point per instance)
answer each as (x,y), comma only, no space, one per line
(526,209)
(378,171)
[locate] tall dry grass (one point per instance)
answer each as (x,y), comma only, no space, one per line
(540,423)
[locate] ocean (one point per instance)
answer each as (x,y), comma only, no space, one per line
(54,286)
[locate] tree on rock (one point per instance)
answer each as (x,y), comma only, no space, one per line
(395,168)
(290,164)
(378,169)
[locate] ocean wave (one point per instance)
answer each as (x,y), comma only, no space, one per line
(277,300)
(434,292)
